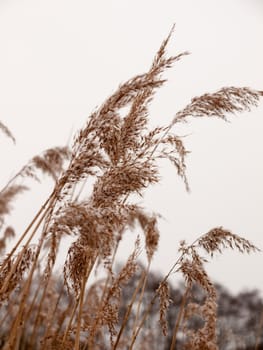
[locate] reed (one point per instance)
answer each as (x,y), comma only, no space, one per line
(120,155)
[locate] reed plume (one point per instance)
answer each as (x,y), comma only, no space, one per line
(121,157)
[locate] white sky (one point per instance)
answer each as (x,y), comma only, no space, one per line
(59,59)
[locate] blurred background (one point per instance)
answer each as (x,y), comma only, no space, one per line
(61,59)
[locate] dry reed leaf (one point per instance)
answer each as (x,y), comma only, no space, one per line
(7,132)
(6,197)
(8,233)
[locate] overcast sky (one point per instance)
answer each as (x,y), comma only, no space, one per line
(59,59)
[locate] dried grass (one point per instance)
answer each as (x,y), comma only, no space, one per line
(121,155)
(6,131)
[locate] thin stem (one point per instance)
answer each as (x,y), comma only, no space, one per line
(25,293)
(9,182)
(155,296)
(168,128)
(51,321)
(70,321)
(128,312)
(145,275)
(148,310)
(27,230)
(20,256)
(29,311)
(179,317)
(26,289)
(142,321)
(37,318)
(81,300)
